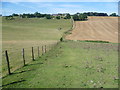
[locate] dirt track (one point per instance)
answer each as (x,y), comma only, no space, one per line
(96,28)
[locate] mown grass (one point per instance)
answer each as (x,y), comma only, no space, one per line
(70,65)
(26,33)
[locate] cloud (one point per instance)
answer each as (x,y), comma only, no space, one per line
(58,7)
(69,5)
(60,0)
(7,11)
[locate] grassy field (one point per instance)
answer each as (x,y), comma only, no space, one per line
(23,32)
(71,64)
(27,33)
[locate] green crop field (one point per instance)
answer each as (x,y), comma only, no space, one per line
(70,64)
(26,33)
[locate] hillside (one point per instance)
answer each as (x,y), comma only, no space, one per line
(27,33)
(70,65)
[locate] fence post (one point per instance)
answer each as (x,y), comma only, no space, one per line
(8,64)
(38,52)
(45,49)
(33,54)
(42,50)
(23,53)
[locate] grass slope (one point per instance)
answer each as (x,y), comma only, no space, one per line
(26,33)
(30,30)
(71,64)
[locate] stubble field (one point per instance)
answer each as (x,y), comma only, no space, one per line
(96,28)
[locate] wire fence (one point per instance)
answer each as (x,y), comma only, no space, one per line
(12,60)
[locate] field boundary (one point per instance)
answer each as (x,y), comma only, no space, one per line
(44,49)
(73,24)
(69,31)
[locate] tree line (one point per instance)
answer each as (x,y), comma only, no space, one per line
(76,17)
(39,15)
(80,17)
(99,14)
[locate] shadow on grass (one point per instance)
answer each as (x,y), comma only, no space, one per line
(13,83)
(18,72)
(95,41)
(23,71)
(33,64)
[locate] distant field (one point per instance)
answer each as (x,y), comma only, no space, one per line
(96,28)
(25,33)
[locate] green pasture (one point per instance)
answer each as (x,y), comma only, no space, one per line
(27,33)
(70,64)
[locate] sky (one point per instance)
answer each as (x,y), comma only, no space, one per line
(11,7)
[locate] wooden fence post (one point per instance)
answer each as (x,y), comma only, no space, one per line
(38,52)
(8,64)
(42,50)
(33,54)
(23,53)
(45,49)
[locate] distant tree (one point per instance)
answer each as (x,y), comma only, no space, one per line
(28,15)
(38,15)
(43,15)
(23,15)
(95,14)
(113,14)
(48,16)
(60,14)
(79,17)
(20,15)
(82,17)
(64,17)
(61,39)
(9,17)
(15,14)
(68,16)
(75,17)
(32,15)
(77,13)
(57,17)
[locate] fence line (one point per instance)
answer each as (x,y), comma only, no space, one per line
(43,50)
(73,24)
(23,56)
(8,64)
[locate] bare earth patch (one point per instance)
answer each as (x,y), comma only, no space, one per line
(96,28)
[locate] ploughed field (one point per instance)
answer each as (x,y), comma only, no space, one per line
(96,28)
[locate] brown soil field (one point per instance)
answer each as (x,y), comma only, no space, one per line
(96,28)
